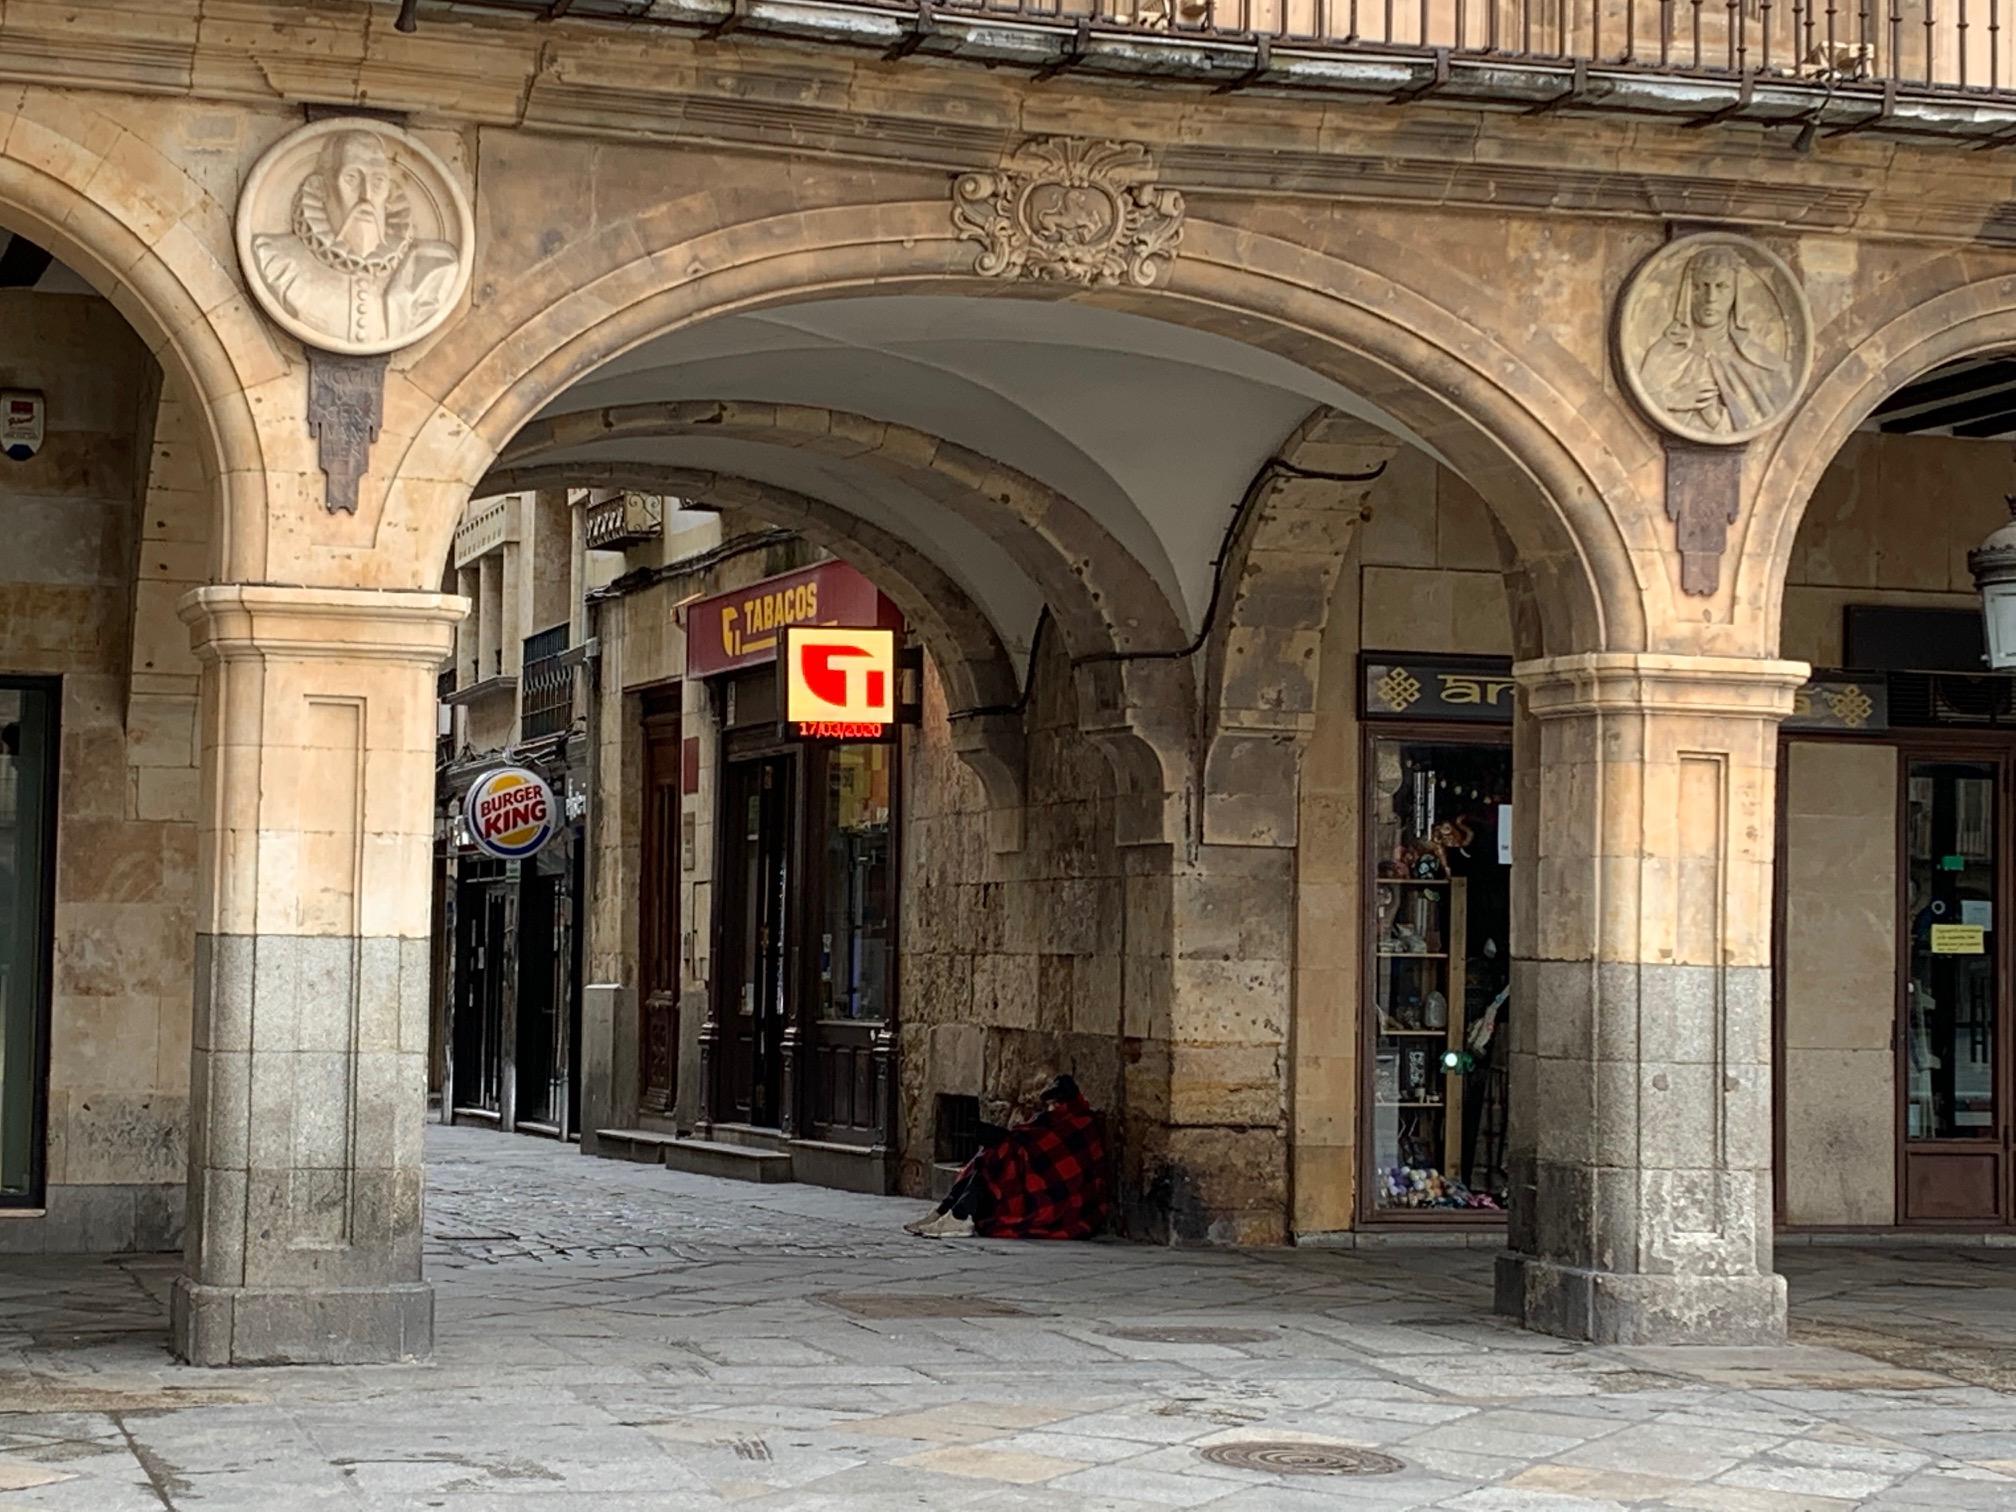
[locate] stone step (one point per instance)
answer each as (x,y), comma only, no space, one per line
(645,1146)
(713,1157)
(749,1136)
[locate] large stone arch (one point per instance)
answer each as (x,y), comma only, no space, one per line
(1940,312)
(1115,621)
(1536,444)
(1104,600)
(108,203)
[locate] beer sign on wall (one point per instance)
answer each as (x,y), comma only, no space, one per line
(839,683)
(509,813)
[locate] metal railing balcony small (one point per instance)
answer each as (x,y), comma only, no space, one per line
(629,519)
(545,685)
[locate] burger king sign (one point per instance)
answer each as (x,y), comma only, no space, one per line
(509,812)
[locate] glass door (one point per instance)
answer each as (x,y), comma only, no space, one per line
(1949,1061)
(855,848)
(27,808)
(1439,968)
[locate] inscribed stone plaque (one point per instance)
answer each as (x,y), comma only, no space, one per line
(1714,338)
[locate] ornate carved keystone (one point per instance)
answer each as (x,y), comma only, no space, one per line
(1073,211)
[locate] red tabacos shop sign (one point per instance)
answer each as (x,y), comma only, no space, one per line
(744,628)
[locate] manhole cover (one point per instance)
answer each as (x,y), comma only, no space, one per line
(1302,1459)
(1177,1334)
(919,1305)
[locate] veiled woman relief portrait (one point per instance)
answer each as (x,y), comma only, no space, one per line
(1714,338)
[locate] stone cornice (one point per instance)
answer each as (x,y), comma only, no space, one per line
(258,621)
(1626,683)
(660,84)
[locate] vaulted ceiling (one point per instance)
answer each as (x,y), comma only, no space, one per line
(1155,429)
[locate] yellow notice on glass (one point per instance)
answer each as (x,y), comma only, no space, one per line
(1959,939)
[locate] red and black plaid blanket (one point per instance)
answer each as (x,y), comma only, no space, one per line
(1047,1179)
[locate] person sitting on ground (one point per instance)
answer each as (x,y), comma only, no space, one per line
(1043,1179)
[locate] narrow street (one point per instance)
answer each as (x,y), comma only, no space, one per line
(615,1338)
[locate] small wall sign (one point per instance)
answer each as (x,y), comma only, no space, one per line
(1475,691)
(510,813)
(21,424)
(1958,939)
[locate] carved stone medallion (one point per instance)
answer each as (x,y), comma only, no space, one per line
(1072,211)
(355,237)
(1714,338)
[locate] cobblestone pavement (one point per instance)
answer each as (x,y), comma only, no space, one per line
(616,1338)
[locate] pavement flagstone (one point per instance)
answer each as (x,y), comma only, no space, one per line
(616,1338)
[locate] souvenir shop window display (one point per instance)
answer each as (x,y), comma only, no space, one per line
(1439,972)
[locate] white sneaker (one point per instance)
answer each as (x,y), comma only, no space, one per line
(945,1226)
(919,1224)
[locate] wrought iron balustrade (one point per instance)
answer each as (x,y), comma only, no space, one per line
(545,685)
(629,519)
(1931,45)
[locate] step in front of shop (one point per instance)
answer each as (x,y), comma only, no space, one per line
(715,1157)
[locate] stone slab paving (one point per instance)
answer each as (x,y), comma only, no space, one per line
(616,1338)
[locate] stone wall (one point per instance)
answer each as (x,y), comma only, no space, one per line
(1838,981)
(1424,576)
(1011,964)
(1891,523)
(102,546)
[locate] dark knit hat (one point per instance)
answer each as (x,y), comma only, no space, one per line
(1061,1089)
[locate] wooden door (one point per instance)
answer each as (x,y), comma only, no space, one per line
(658,916)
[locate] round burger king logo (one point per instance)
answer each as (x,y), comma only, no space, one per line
(509,812)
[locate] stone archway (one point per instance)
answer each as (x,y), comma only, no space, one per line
(1908,327)
(601,296)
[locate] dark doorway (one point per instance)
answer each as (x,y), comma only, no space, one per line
(658,909)
(484,920)
(751,1009)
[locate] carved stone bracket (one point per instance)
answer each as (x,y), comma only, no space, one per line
(1704,495)
(346,405)
(1071,211)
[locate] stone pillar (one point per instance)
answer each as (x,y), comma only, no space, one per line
(1641,1023)
(308,1067)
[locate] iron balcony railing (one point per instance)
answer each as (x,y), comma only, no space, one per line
(1937,45)
(545,685)
(629,519)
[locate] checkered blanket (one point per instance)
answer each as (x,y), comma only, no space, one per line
(1047,1179)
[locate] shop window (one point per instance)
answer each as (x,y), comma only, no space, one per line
(854,947)
(1439,967)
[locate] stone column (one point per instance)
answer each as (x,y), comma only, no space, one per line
(1641,1023)
(308,1067)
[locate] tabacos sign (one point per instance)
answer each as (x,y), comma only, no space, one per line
(744,628)
(839,682)
(509,813)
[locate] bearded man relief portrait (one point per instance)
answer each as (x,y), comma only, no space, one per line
(351,265)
